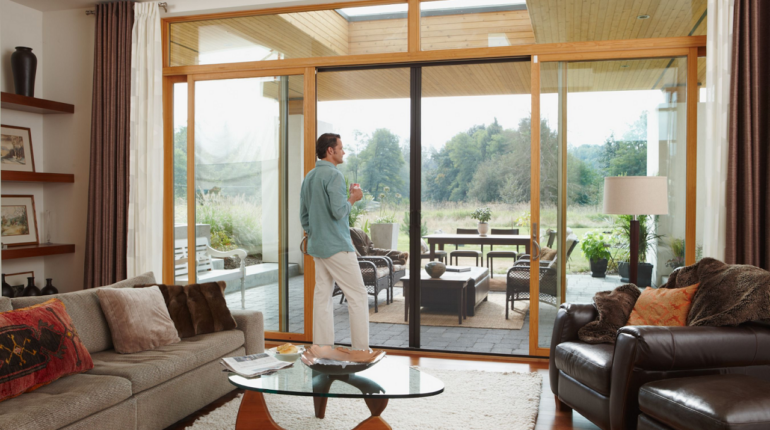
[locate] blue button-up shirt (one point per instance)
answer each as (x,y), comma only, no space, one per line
(324,211)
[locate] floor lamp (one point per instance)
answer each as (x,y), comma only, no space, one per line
(635,195)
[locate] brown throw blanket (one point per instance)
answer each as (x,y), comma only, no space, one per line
(364,246)
(614,309)
(729,294)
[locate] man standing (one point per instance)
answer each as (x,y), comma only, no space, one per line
(324,213)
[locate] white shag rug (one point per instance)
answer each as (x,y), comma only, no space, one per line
(471,400)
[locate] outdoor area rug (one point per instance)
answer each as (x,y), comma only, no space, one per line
(489,314)
(471,400)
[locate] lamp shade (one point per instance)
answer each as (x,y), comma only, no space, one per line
(636,195)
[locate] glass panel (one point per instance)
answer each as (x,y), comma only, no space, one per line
(476,154)
(323,33)
(180,180)
(369,109)
(700,212)
(454,24)
(248,170)
(623,118)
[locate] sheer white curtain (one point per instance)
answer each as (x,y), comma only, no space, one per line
(145,206)
(718,66)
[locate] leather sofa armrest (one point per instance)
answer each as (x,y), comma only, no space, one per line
(687,348)
(673,350)
(570,318)
(252,324)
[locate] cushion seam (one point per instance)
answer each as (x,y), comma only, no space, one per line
(684,406)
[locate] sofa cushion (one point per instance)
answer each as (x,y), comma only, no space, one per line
(86,313)
(63,402)
(589,364)
(5,304)
(708,402)
(149,368)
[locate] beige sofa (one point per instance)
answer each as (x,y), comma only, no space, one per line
(146,390)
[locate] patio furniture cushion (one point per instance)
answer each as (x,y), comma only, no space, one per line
(149,368)
(399,267)
(590,365)
(382,272)
(465,252)
(708,402)
(63,402)
(510,254)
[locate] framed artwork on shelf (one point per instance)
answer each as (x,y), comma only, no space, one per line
(18,221)
(18,281)
(16,149)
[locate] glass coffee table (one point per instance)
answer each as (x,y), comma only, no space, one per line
(385,380)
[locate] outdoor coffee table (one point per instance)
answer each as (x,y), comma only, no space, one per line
(385,380)
(453,290)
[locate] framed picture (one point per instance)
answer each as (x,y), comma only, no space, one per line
(14,279)
(16,149)
(18,221)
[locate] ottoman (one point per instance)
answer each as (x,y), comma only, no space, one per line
(704,403)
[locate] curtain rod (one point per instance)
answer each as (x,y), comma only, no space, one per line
(164,5)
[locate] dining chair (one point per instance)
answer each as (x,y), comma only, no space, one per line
(457,253)
(492,254)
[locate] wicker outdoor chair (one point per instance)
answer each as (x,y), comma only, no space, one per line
(457,253)
(517,284)
(378,275)
(492,254)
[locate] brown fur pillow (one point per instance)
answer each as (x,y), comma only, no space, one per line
(614,309)
(197,308)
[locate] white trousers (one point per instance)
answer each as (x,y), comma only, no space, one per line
(341,267)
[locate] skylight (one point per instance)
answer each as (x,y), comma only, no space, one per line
(375,10)
(454,4)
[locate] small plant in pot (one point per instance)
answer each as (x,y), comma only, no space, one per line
(483,215)
(595,247)
(647,240)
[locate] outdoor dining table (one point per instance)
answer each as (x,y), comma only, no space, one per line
(474,239)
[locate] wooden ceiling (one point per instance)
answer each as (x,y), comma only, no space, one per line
(326,33)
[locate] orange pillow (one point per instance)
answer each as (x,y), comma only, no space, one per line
(663,306)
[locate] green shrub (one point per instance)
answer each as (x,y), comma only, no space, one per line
(235,221)
(482,214)
(595,246)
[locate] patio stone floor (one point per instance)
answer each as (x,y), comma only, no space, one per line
(580,289)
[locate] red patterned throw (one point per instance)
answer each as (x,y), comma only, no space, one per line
(38,345)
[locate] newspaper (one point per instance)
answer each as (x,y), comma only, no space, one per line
(252,365)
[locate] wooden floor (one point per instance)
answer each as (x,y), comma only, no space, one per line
(548,417)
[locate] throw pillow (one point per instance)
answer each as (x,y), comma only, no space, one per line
(614,308)
(663,306)
(38,345)
(175,297)
(424,248)
(208,307)
(138,318)
(548,254)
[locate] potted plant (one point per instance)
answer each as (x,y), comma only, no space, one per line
(647,239)
(595,247)
(677,250)
(384,229)
(483,215)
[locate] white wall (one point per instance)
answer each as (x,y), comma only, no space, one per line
(68,40)
(63,42)
(23,26)
(198,7)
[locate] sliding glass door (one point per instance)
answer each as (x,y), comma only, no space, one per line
(239,162)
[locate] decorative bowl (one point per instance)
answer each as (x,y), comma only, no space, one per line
(435,269)
(288,357)
(339,361)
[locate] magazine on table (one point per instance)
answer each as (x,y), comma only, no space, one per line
(253,365)
(458,268)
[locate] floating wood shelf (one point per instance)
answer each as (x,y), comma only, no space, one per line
(36,177)
(27,251)
(34,105)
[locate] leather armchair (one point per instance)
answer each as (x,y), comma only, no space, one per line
(602,381)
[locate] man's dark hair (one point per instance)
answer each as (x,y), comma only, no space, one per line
(326,141)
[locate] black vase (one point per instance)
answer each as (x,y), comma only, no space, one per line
(7,290)
(599,268)
(49,289)
(31,289)
(24,67)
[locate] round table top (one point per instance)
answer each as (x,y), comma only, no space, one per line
(385,380)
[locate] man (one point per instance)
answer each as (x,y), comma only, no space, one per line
(324,213)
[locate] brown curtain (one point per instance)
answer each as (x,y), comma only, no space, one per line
(110,120)
(748,172)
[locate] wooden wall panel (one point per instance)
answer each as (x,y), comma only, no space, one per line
(377,37)
(560,21)
(473,30)
(326,26)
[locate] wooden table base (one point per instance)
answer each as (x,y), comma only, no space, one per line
(254,415)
